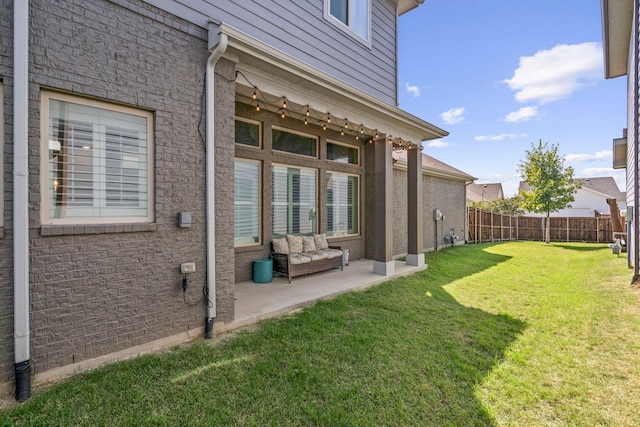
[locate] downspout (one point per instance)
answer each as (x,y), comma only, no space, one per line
(21,199)
(217,47)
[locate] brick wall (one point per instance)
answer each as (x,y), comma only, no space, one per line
(93,294)
(449,196)
(438,193)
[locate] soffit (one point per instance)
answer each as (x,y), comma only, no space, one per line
(617,19)
(405,6)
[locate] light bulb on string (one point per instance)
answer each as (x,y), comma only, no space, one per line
(255,95)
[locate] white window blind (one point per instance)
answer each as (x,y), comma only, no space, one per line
(293,200)
(246,202)
(342,204)
(98,163)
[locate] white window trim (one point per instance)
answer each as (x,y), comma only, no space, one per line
(254,122)
(359,204)
(348,146)
(260,193)
(346,28)
(306,135)
(45,96)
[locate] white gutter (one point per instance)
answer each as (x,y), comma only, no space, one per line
(21,198)
(217,47)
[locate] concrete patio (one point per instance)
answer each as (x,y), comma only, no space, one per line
(259,301)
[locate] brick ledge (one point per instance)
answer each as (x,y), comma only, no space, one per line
(66,230)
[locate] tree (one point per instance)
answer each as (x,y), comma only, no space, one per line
(552,185)
(506,206)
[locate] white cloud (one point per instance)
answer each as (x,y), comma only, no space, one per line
(522,115)
(453,116)
(500,137)
(582,158)
(591,172)
(412,89)
(437,143)
(556,73)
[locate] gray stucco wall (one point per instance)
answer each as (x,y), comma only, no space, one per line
(96,290)
(448,195)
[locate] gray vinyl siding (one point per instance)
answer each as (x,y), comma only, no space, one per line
(299,29)
(632,124)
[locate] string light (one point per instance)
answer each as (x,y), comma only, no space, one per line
(323,119)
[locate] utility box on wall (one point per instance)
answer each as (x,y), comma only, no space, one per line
(437,215)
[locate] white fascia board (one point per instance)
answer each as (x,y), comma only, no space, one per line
(280,74)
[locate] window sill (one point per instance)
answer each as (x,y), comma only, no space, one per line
(249,248)
(66,230)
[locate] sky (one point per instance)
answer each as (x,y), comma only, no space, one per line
(500,75)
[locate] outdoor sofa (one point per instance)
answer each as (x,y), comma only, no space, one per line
(296,255)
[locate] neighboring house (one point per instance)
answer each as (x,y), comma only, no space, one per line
(590,198)
(143,135)
(484,192)
(444,191)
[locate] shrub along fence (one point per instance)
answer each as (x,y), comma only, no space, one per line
(487,226)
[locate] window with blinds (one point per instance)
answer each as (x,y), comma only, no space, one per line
(246,202)
(342,204)
(98,167)
(293,200)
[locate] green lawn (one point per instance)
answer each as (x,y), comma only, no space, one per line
(518,334)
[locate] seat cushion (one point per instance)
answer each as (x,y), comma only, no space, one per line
(295,243)
(308,244)
(316,255)
(321,241)
(280,245)
(332,253)
(298,259)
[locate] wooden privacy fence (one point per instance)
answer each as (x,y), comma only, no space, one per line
(487,226)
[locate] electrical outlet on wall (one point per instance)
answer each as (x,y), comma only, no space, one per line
(188,267)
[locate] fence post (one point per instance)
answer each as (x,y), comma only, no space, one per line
(598,229)
(492,226)
(567,229)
